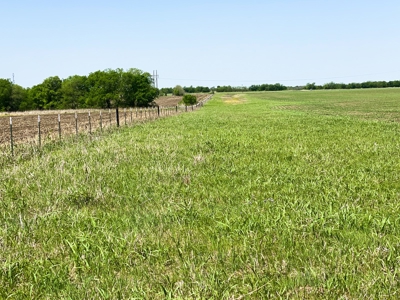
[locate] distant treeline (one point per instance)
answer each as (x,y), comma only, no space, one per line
(119,88)
(353,85)
(101,89)
(178,90)
(186,89)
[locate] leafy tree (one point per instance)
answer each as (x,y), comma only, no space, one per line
(189,89)
(52,89)
(166,91)
(189,99)
(74,89)
(103,89)
(27,103)
(46,95)
(310,86)
(5,94)
(119,88)
(137,89)
(18,97)
(178,91)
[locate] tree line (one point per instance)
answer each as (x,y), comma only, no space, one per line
(126,88)
(353,85)
(178,90)
(100,89)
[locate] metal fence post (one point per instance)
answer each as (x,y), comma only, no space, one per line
(59,126)
(40,137)
(76,124)
(117,116)
(90,124)
(11,138)
(101,123)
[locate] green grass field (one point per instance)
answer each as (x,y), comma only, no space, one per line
(291,194)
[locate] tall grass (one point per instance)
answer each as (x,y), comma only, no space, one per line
(260,195)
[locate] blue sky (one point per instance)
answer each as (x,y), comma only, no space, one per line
(206,43)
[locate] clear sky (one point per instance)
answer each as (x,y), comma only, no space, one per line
(206,42)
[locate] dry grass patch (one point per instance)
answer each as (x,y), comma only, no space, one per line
(234,99)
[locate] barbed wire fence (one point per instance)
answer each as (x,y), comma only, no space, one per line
(40,129)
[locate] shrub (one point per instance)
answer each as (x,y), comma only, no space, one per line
(189,99)
(178,91)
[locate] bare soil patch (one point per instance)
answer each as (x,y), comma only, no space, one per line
(174,100)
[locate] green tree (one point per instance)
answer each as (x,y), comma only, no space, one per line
(189,99)
(5,94)
(18,97)
(103,89)
(137,88)
(74,89)
(119,88)
(166,91)
(178,91)
(46,95)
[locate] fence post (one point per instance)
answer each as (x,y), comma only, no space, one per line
(11,138)
(117,116)
(76,124)
(101,123)
(40,137)
(90,124)
(176,108)
(131,116)
(125,115)
(109,114)
(59,126)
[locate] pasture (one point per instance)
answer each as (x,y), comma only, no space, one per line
(292,194)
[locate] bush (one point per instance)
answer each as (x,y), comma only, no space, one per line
(189,99)
(178,91)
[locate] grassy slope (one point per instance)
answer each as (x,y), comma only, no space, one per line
(288,194)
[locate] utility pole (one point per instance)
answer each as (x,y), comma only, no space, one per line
(155,79)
